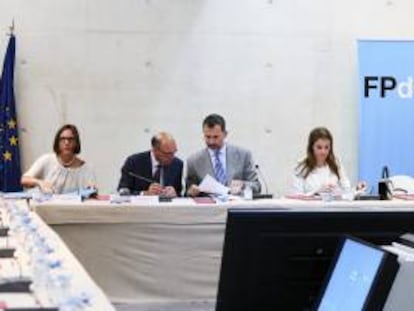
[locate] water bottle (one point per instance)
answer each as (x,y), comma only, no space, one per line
(326,196)
(248,192)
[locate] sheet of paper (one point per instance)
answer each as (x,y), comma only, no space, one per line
(67,197)
(9,268)
(303,197)
(182,201)
(8,242)
(17,195)
(17,300)
(210,185)
(144,199)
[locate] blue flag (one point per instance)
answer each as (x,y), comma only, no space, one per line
(10,172)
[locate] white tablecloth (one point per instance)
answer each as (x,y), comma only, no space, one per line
(166,252)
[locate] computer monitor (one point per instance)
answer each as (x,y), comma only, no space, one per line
(278,260)
(360,279)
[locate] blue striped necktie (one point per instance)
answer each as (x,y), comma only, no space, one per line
(219,169)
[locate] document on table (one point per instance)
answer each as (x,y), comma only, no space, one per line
(144,199)
(9,269)
(18,300)
(8,242)
(182,201)
(67,197)
(210,185)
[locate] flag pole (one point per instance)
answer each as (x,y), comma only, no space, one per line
(11,28)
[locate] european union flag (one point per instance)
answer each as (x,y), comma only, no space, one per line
(10,172)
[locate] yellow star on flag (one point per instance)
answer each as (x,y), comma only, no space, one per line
(7,156)
(12,124)
(13,141)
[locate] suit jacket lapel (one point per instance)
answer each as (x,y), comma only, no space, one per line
(208,164)
(148,166)
(229,164)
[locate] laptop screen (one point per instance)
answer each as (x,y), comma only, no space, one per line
(352,277)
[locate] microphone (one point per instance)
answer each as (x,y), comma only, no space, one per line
(148,180)
(124,191)
(385,172)
(161,197)
(266,195)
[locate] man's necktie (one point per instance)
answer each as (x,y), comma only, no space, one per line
(219,169)
(157,174)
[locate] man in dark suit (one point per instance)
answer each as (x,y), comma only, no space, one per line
(153,172)
(231,165)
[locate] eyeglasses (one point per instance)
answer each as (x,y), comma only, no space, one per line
(68,139)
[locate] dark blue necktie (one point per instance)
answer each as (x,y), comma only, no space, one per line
(157,174)
(219,169)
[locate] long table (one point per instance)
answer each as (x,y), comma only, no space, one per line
(80,278)
(165,252)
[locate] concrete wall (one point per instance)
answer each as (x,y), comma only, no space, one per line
(122,70)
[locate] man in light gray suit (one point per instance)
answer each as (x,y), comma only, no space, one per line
(230,165)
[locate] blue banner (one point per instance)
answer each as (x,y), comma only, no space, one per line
(386,124)
(10,172)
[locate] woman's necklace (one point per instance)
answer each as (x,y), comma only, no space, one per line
(67,164)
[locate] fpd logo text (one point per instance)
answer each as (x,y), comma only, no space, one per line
(386,85)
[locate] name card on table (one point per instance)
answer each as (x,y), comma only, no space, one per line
(21,301)
(69,197)
(144,199)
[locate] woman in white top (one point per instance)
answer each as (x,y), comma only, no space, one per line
(320,171)
(62,171)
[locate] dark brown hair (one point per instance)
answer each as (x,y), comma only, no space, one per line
(213,120)
(74,130)
(309,163)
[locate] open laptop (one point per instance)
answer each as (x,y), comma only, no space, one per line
(360,278)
